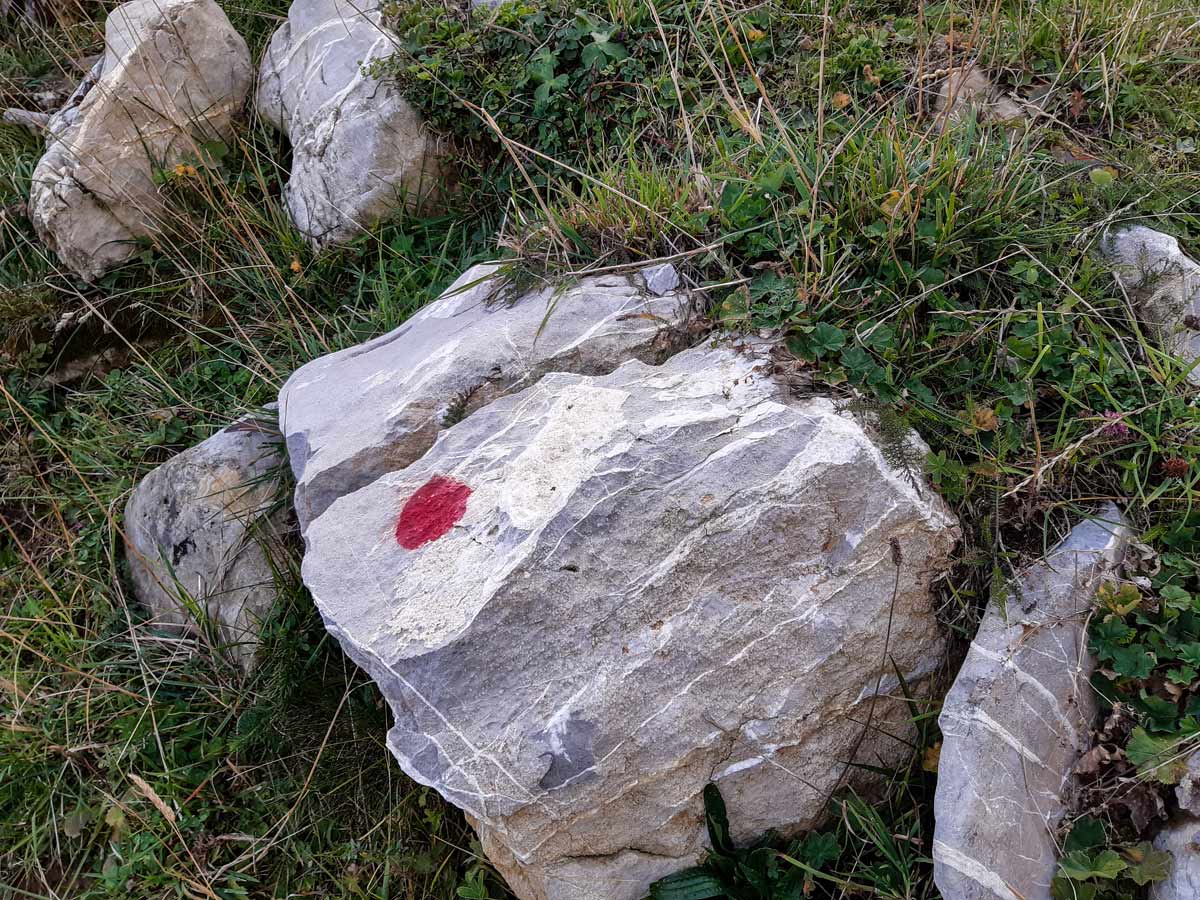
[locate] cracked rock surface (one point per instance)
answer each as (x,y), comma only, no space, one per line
(1164,282)
(195,532)
(359,150)
(174,75)
(352,416)
(1016,720)
(591,597)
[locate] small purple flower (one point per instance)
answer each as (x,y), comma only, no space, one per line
(1116,429)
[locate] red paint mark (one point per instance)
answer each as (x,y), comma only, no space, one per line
(433,509)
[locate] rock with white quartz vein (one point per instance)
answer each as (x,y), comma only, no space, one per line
(594,596)
(174,76)
(360,152)
(1164,282)
(353,415)
(1015,722)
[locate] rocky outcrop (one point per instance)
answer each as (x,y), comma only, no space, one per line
(592,597)
(174,75)
(1164,283)
(1016,720)
(199,531)
(359,151)
(354,415)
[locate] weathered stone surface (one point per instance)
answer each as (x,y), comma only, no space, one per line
(594,596)
(359,150)
(174,75)
(1164,283)
(1015,722)
(969,88)
(197,532)
(660,279)
(1182,840)
(352,416)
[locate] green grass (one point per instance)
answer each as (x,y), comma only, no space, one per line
(785,157)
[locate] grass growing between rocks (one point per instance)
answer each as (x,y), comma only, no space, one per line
(789,159)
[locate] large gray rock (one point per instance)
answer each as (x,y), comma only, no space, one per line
(359,151)
(200,533)
(1164,283)
(1182,840)
(1016,720)
(353,415)
(174,75)
(592,597)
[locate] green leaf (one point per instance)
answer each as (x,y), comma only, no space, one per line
(1132,662)
(690,884)
(1080,866)
(881,337)
(1087,834)
(1108,634)
(1162,715)
(819,849)
(1065,889)
(1147,864)
(1156,756)
(1175,597)
(1190,653)
(1182,675)
(717,819)
(826,339)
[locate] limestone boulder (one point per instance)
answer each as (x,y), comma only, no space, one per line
(174,75)
(592,597)
(1164,283)
(1016,721)
(353,415)
(360,152)
(202,533)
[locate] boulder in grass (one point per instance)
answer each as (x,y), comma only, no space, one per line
(360,152)
(201,533)
(354,415)
(1164,283)
(1017,719)
(591,598)
(174,76)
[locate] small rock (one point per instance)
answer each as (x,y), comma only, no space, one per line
(660,279)
(1016,720)
(970,88)
(174,75)
(360,152)
(352,416)
(1182,840)
(1164,283)
(591,598)
(196,528)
